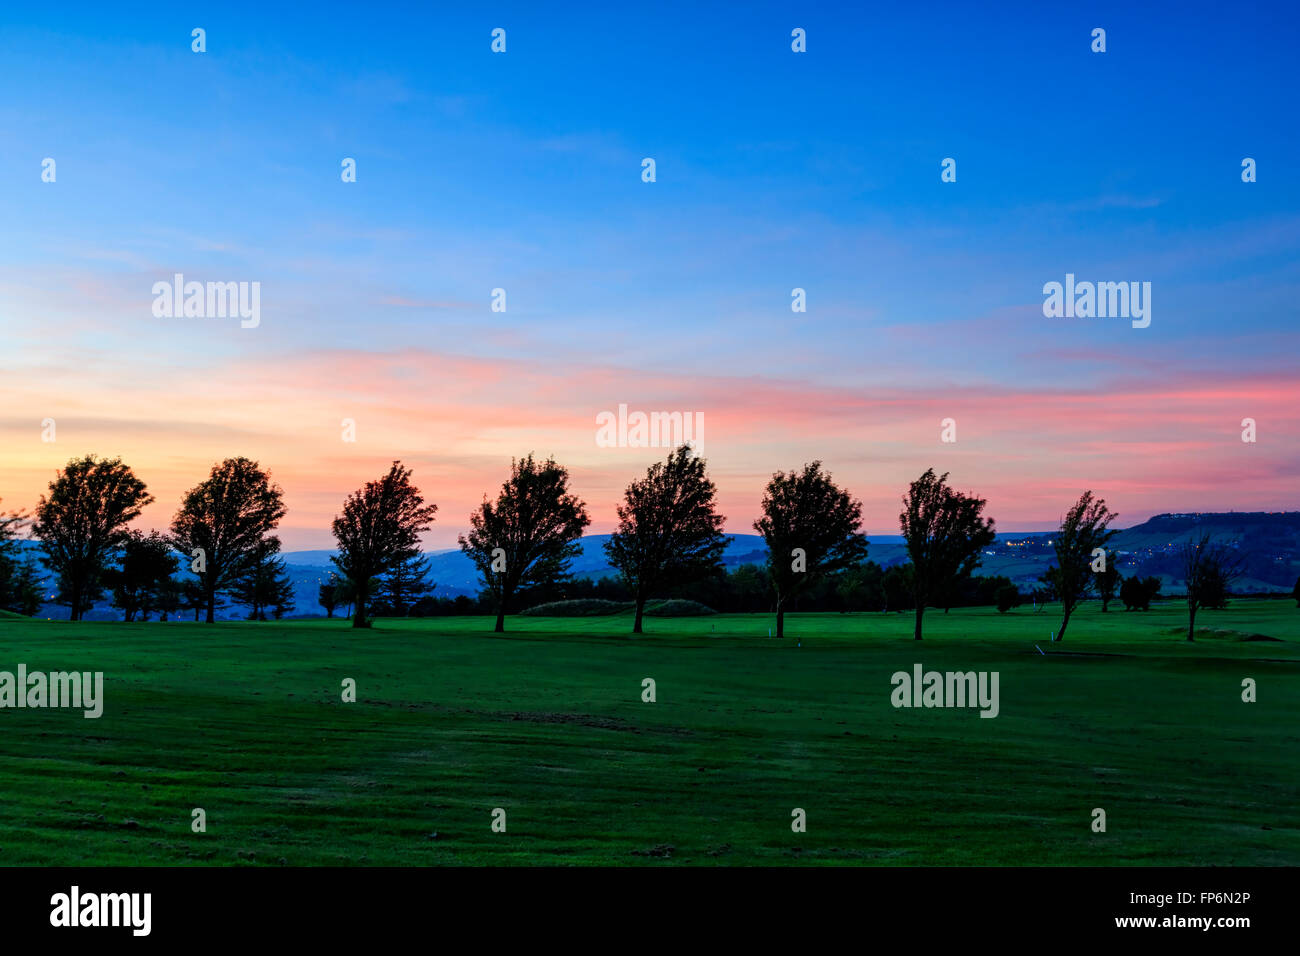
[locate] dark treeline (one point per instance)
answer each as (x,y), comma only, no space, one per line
(221,548)
(746,589)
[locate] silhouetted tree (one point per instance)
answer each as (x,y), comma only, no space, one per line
(406,584)
(264,583)
(83,520)
(811,527)
(528,537)
(345,593)
(1107,580)
(899,585)
(380,527)
(668,528)
(192,597)
(1209,569)
(1045,593)
(945,533)
(1137,593)
(170,598)
(223,522)
(327,595)
(1083,531)
(1008,597)
(141,581)
(20,585)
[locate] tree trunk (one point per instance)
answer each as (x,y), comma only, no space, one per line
(1060,635)
(501,610)
(359,615)
(780,622)
(212,605)
(640,608)
(920,612)
(1191,621)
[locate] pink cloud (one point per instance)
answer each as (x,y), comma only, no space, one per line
(1147,445)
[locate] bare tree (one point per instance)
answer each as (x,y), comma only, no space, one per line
(1209,568)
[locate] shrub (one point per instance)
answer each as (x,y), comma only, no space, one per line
(678,607)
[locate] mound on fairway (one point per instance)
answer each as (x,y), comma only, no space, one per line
(581,607)
(548,723)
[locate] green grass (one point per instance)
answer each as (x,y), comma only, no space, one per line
(546,721)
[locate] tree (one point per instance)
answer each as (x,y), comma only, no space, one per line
(1137,593)
(282,597)
(1046,592)
(1107,580)
(20,586)
(380,526)
(344,594)
(668,528)
(1130,591)
(899,585)
(143,577)
(170,598)
(222,523)
(1209,569)
(26,593)
(1295,592)
(264,583)
(83,520)
(327,595)
(860,587)
(1150,591)
(192,597)
(406,584)
(811,527)
(1083,532)
(527,539)
(10,525)
(953,590)
(945,533)
(1008,596)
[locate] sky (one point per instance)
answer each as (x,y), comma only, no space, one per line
(774,170)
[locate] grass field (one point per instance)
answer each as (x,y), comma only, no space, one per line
(547,722)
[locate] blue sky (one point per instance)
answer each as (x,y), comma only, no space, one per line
(775,170)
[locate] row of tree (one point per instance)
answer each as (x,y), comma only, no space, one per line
(669,534)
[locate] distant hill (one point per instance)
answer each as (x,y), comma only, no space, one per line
(1269,543)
